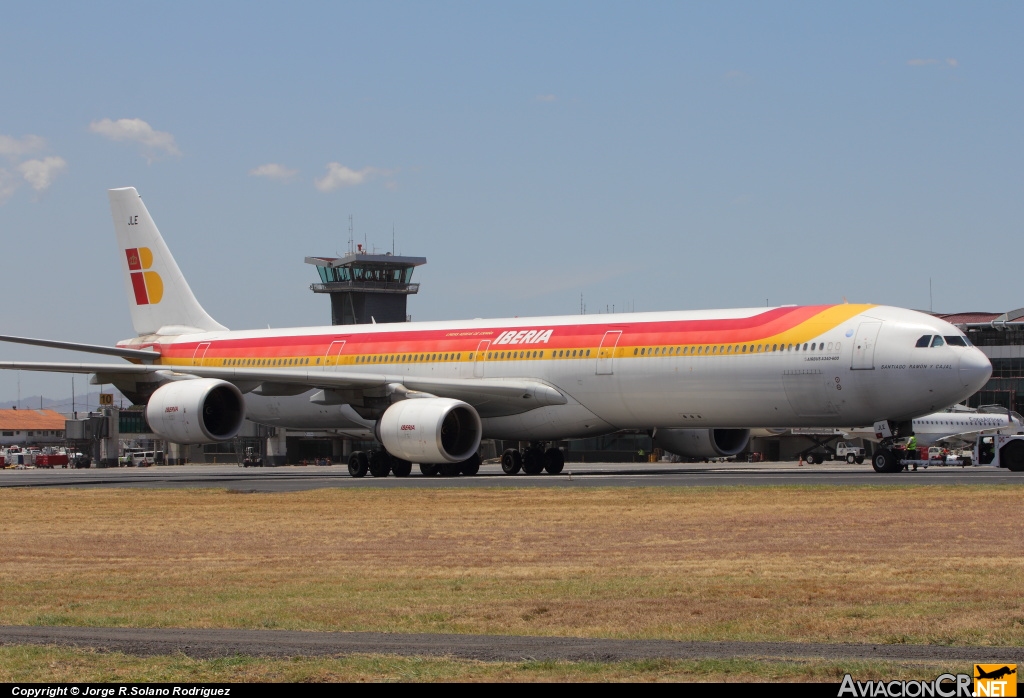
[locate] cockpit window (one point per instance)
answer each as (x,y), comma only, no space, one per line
(924,341)
(955,341)
(937,342)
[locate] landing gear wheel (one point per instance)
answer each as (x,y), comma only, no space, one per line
(885,461)
(429,469)
(850,458)
(471,466)
(379,463)
(450,469)
(511,461)
(1012,456)
(400,468)
(554,461)
(358,464)
(533,461)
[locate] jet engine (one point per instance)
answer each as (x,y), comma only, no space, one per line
(702,443)
(430,430)
(197,411)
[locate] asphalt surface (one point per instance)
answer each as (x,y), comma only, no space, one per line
(211,643)
(297,478)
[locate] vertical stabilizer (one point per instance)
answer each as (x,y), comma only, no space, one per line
(158,295)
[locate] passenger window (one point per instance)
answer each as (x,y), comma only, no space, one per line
(588,353)
(635,352)
(937,342)
(642,351)
(924,341)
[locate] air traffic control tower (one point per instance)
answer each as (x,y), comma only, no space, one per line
(366,288)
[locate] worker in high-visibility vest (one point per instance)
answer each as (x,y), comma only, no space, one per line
(912,450)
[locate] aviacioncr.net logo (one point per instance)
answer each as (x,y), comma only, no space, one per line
(945,686)
(147,285)
(995,680)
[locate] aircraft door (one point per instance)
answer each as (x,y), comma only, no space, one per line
(200,354)
(864,345)
(606,352)
(333,355)
(481,354)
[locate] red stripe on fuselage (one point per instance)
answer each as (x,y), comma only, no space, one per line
(401,341)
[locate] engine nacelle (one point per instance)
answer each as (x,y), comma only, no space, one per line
(430,430)
(702,443)
(197,411)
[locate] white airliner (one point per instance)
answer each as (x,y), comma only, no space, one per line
(430,391)
(955,425)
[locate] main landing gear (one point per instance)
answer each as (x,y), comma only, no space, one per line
(380,463)
(532,460)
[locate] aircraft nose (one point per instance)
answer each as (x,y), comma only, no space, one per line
(975,369)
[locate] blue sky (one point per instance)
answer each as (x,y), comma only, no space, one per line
(649,155)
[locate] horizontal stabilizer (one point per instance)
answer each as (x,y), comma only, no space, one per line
(141,354)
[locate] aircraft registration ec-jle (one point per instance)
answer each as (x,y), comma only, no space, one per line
(429,391)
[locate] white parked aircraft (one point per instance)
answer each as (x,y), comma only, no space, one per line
(431,390)
(955,425)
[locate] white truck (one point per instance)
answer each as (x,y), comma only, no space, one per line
(843,451)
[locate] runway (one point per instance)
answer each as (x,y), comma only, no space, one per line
(298,478)
(207,643)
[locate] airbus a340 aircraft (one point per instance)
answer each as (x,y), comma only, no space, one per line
(431,390)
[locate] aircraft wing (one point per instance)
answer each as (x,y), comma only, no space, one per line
(491,397)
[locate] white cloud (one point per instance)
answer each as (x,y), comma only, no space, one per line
(340,176)
(273,171)
(137,131)
(12,147)
(546,98)
(40,173)
(8,183)
(952,62)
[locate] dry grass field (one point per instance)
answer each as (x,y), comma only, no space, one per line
(915,565)
(55,664)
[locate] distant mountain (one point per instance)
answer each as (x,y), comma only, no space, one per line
(82,403)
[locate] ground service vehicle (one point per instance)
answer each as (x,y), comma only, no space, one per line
(843,451)
(429,391)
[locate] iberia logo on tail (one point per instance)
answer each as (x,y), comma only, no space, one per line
(148,286)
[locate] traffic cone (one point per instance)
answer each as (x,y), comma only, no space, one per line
(801,460)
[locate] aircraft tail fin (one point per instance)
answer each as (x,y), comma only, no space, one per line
(160,299)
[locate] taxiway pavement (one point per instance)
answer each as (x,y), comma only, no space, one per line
(297,478)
